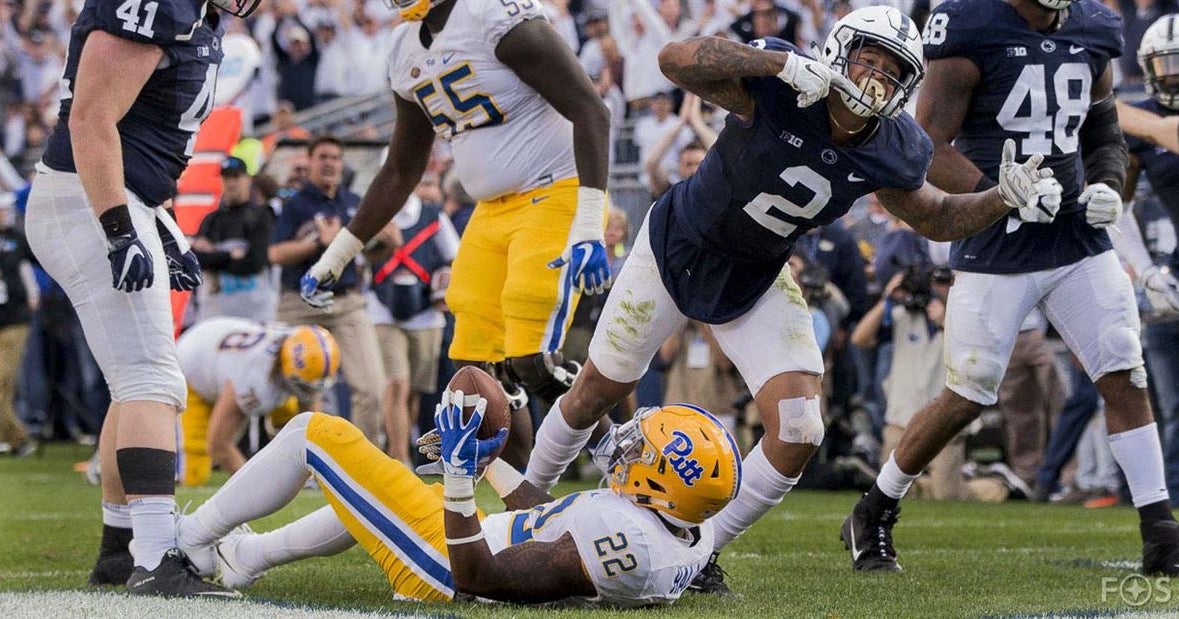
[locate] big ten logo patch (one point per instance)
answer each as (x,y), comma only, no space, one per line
(677,452)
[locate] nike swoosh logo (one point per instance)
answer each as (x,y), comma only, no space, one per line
(856,552)
(132,252)
(854,179)
(446,58)
(1075,49)
(539,199)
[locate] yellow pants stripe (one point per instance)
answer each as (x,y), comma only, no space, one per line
(389,511)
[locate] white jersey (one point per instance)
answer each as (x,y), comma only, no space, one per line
(504,136)
(630,555)
(239,352)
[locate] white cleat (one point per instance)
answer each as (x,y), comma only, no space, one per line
(230,571)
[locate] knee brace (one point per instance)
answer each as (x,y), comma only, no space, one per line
(548,375)
(800,420)
(517,398)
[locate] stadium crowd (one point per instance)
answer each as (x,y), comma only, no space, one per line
(876,288)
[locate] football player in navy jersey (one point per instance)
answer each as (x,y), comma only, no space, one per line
(1036,72)
(139,78)
(1158,54)
(792,156)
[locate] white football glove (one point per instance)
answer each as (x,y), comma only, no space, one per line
(1161,289)
(811,78)
(1103,205)
(1028,188)
(316,284)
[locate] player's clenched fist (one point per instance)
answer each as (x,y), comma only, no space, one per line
(811,78)
(1028,188)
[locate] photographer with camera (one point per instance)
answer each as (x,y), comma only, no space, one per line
(911,315)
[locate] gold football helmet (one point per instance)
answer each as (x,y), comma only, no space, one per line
(412,10)
(678,460)
(309,360)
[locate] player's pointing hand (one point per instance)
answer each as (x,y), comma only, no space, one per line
(811,78)
(1028,188)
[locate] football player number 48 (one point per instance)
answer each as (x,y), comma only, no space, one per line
(1025,110)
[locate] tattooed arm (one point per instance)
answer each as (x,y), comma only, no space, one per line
(940,216)
(712,67)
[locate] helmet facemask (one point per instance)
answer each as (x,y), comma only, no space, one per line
(412,10)
(873,97)
(1160,72)
(237,8)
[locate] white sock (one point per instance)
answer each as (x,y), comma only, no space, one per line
(557,444)
(318,534)
(116,515)
(153,529)
(1140,454)
(267,482)
(892,481)
(762,487)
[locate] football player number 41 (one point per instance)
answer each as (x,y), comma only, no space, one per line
(137,21)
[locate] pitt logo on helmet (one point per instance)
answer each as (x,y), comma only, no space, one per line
(309,361)
(677,460)
(678,451)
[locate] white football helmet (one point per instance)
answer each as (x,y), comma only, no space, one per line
(891,30)
(1158,55)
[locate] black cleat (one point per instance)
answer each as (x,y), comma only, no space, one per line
(1160,547)
(869,538)
(112,568)
(711,579)
(174,577)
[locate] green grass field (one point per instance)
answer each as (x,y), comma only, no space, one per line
(961,559)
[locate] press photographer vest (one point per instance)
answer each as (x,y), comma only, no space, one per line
(402,283)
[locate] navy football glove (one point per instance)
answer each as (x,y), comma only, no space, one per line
(184,270)
(132,268)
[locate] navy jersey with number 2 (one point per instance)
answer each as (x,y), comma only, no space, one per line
(1034,87)
(157,132)
(721,236)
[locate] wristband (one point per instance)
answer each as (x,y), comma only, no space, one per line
(116,222)
(503,477)
(465,540)
(589,218)
(341,251)
(458,494)
(984,183)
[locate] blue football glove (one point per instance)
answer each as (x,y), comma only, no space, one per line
(315,291)
(589,268)
(460,451)
(184,270)
(132,268)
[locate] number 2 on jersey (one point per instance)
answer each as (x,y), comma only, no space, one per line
(1070,87)
(762,208)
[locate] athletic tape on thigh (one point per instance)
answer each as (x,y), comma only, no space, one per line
(800,420)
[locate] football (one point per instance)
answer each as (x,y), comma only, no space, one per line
(473,381)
